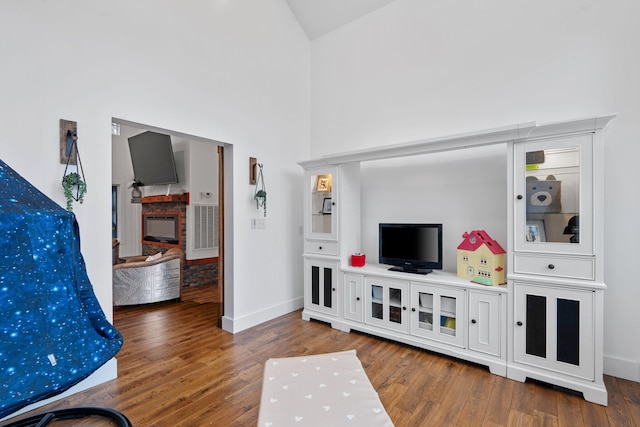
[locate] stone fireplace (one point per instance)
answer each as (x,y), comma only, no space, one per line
(164,227)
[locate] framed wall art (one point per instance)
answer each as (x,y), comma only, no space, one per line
(324,183)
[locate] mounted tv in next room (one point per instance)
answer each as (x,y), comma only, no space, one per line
(152,159)
(411,248)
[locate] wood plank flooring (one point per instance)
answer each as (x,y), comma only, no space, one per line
(177,369)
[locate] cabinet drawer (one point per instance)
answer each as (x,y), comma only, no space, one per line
(574,268)
(321,247)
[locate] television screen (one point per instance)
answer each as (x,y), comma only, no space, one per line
(152,159)
(413,248)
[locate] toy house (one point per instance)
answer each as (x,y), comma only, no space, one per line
(481,259)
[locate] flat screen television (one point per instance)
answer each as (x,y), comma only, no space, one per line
(152,159)
(411,248)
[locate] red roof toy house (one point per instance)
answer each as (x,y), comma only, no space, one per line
(481,259)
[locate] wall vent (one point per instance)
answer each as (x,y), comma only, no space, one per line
(205,227)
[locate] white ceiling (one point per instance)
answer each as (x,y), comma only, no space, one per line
(318,17)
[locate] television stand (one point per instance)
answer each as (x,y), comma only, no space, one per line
(412,270)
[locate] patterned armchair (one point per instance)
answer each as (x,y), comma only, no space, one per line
(138,281)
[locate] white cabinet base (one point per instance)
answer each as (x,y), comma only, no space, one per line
(495,365)
(358,284)
(333,321)
(594,392)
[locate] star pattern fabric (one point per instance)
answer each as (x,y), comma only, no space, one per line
(53,332)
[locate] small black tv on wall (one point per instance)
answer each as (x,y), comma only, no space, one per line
(152,159)
(411,248)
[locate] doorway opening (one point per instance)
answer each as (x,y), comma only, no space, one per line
(198,199)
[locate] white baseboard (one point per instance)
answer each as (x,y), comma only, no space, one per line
(106,372)
(622,368)
(241,323)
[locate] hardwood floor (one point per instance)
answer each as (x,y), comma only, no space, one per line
(177,369)
(202,294)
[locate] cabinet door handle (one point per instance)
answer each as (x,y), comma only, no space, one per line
(519,323)
(519,197)
(357,298)
(473,321)
(319,248)
(551,266)
(404,308)
(413,309)
(333,289)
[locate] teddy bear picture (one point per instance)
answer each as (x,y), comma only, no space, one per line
(544,196)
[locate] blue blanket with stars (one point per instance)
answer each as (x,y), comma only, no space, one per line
(53,332)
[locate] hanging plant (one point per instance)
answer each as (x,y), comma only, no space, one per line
(74,189)
(73,183)
(260,195)
(261,200)
(136,193)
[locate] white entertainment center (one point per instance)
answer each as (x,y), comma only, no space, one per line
(546,323)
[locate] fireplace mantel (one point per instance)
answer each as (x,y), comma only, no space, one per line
(170,198)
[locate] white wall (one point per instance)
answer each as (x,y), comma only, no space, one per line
(203,190)
(445,188)
(232,71)
(416,69)
(129,214)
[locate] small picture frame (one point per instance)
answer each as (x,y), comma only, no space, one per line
(326,206)
(323,184)
(535,231)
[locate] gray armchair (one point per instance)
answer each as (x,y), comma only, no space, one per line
(138,281)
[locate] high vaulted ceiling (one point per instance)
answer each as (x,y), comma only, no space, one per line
(318,17)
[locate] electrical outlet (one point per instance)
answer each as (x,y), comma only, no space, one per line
(261,222)
(253,222)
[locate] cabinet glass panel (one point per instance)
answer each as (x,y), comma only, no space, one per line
(425,311)
(395,305)
(448,315)
(328,287)
(321,203)
(376,302)
(568,331)
(315,285)
(536,338)
(553,195)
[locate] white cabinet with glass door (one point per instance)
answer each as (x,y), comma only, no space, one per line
(554,196)
(331,233)
(321,213)
(386,303)
(556,263)
(438,313)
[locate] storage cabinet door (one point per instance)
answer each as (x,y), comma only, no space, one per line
(485,311)
(554,195)
(353,297)
(554,329)
(386,303)
(438,313)
(321,279)
(321,207)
